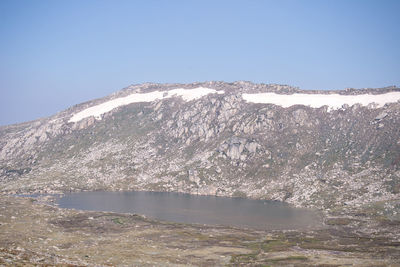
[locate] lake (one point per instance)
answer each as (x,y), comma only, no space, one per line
(186,208)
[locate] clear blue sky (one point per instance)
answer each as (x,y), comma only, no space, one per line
(54,54)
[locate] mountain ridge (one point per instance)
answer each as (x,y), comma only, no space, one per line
(217,144)
(272,86)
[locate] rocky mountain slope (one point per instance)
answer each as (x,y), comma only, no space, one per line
(324,149)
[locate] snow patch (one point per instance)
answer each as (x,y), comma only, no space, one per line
(98,110)
(333,101)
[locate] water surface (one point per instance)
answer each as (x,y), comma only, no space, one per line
(185,208)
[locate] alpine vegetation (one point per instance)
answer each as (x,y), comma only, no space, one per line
(322,149)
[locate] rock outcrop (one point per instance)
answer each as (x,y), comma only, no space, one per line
(215,144)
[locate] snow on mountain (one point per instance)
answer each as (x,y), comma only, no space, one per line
(222,144)
(333,101)
(186,94)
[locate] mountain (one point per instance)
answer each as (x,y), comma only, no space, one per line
(323,149)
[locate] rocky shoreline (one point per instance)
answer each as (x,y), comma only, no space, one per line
(341,159)
(34,233)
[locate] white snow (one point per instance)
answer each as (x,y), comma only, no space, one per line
(186,94)
(333,101)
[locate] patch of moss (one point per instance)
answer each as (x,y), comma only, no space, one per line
(194,235)
(243,258)
(275,245)
(117,221)
(338,221)
(289,258)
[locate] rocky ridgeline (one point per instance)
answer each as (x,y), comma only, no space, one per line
(218,144)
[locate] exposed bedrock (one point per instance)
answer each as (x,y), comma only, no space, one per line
(216,142)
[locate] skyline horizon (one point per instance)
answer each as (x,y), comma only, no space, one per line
(198,82)
(55,54)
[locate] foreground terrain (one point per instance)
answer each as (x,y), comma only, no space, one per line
(335,151)
(34,233)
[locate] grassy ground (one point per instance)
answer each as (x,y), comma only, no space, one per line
(35,234)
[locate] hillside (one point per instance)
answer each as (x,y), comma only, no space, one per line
(322,149)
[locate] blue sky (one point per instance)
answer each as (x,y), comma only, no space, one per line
(54,54)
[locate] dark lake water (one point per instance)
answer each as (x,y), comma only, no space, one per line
(185,208)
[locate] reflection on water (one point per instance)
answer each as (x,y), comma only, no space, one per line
(185,208)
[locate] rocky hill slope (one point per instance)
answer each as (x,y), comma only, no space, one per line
(324,149)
